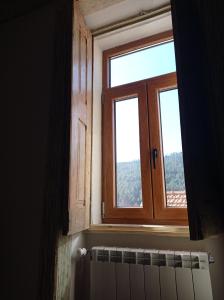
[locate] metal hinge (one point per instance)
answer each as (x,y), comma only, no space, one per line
(103,209)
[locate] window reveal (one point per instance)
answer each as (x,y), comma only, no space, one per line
(143,176)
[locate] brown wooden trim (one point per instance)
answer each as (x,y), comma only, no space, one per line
(181,222)
(106,71)
(155,85)
(132,46)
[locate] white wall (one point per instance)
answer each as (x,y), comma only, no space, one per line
(118,10)
(96,137)
(77,241)
(66,258)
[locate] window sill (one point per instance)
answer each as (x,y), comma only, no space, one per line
(161,230)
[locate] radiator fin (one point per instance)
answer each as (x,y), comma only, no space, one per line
(184,259)
(168,283)
(202,284)
(185,289)
(123,282)
(103,281)
(152,283)
(137,282)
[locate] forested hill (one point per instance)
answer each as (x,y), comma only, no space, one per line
(129,183)
(174,172)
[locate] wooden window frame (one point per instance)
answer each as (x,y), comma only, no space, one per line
(109,172)
(129,47)
(154,210)
(161,211)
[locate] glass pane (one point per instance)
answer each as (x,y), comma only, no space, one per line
(142,64)
(128,167)
(172,149)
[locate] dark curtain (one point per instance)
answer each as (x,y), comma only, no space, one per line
(199,45)
(57,167)
(35,80)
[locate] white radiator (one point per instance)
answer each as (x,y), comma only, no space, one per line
(147,274)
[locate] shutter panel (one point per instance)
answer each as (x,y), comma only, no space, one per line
(81,111)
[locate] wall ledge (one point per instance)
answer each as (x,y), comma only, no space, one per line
(162,230)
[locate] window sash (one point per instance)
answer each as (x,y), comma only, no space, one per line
(154,86)
(154,210)
(109,172)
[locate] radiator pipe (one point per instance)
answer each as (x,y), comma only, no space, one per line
(81,251)
(211,258)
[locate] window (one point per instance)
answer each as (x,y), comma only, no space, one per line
(143,175)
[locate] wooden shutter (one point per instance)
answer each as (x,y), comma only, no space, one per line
(81,111)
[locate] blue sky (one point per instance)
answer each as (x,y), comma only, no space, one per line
(140,65)
(143,64)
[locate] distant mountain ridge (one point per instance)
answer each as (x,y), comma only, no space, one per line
(129,179)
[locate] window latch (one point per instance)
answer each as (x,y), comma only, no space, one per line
(103,209)
(154,157)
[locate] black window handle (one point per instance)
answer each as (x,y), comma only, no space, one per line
(154,157)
